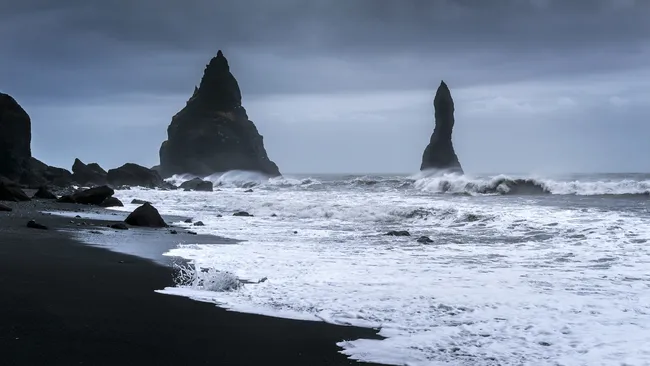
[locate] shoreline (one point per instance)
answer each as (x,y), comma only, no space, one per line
(68,302)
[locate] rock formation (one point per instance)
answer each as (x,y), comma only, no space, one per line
(439,154)
(131,174)
(16,161)
(212,133)
(146,215)
(88,173)
(197,184)
(15,139)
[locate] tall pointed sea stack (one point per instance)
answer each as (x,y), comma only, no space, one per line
(439,154)
(212,133)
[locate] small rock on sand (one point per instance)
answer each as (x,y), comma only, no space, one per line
(34,225)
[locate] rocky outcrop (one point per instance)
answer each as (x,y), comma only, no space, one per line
(197,184)
(440,154)
(147,216)
(16,161)
(212,133)
(15,139)
(41,174)
(88,174)
(131,174)
(112,202)
(93,196)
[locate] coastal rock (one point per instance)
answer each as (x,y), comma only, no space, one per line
(15,138)
(398,233)
(212,133)
(131,174)
(88,173)
(44,193)
(136,201)
(40,174)
(440,154)
(12,193)
(16,161)
(197,184)
(35,225)
(242,214)
(424,240)
(4,208)
(112,202)
(146,215)
(93,196)
(119,226)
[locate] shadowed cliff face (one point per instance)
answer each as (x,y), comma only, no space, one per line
(439,154)
(213,133)
(15,138)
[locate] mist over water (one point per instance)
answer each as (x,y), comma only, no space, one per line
(519,269)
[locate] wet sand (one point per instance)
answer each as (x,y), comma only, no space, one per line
(68,303)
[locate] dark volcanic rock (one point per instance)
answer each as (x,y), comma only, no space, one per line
(34,225)
(15,138)
(44,193)
(92,196)
(440,154)
(145,215)
(112,202)
(398,233)
(4,208)
(42,174)
(131,174)
(16,161)
(119,226)
(88,173)
(424,240)
(197,184)
(212,133)
(12,193)
(242,214)
(136,201)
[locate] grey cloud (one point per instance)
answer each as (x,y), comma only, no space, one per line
(121,69)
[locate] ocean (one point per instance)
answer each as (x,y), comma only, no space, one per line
(519,270)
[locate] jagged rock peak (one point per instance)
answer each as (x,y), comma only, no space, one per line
(218,87)
(440,154)
(212,133)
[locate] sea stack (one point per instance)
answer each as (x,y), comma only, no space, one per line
(439,154)
(212,133)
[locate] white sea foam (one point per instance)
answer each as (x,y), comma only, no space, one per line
(507,280)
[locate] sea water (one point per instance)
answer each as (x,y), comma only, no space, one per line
(520,270)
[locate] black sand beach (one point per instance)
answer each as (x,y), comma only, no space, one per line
(68,303)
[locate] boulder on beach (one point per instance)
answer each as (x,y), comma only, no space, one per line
(131,174)
(4,208)
(92,196)
(44,193)
(88,174)
(212,133)
(112,202)
(12,193)
(197,184)
(440,154)
(147,216)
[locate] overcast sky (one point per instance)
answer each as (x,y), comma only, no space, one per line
(341,86)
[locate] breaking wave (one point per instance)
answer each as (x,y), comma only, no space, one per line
(505,185)
(449,183)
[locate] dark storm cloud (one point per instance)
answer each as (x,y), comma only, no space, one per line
(104,47)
